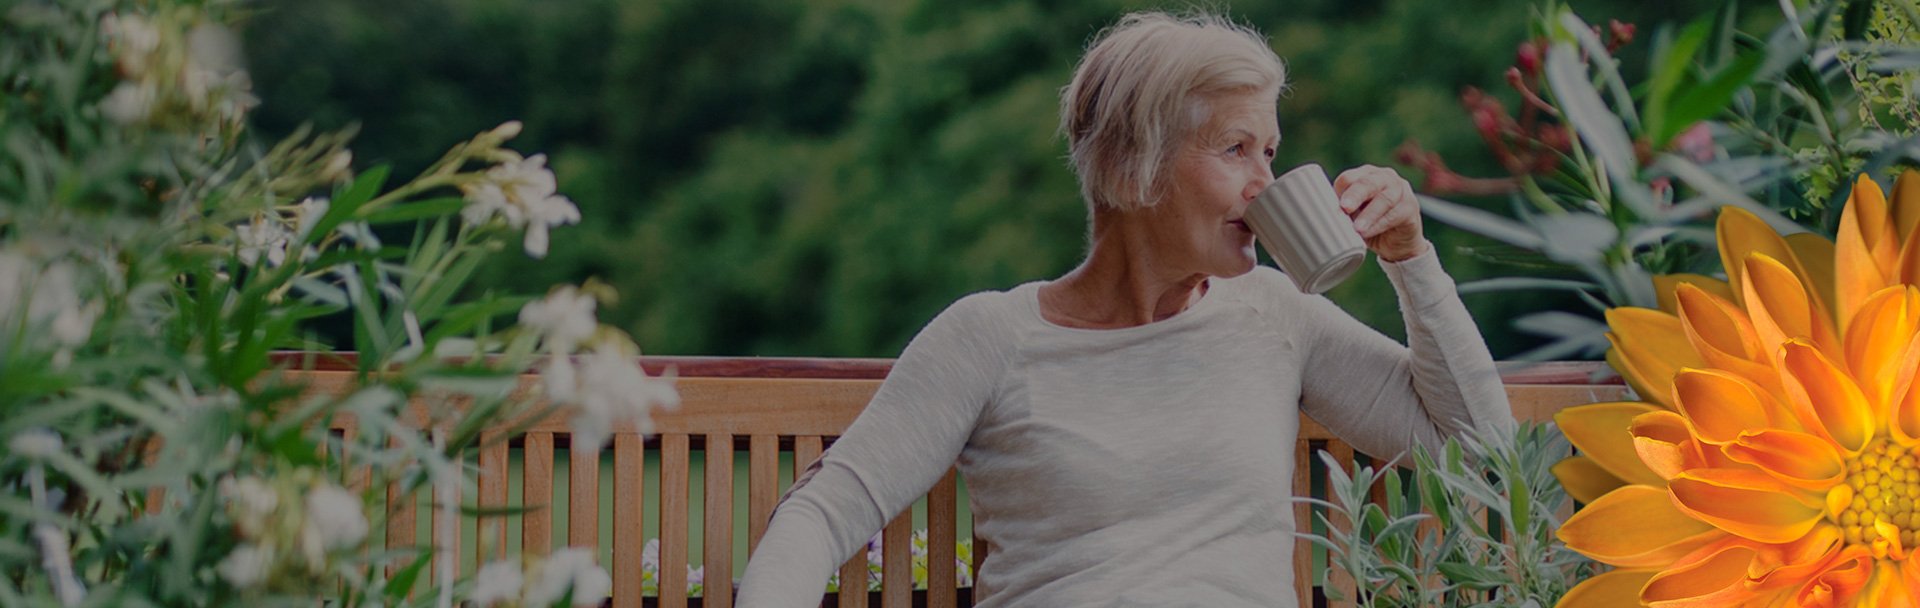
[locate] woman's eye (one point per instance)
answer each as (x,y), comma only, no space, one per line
(1271,153)
(1235,149)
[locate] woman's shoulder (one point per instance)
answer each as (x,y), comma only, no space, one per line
(982,311)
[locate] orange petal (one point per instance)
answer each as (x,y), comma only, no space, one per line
(1713,580)
(1739,233)
(1665,443)
(1864,251)
(1584,479)
(1601,432)
(1610,589)
(1782,308)
(1815,253)
(1649,347)
(1840,582)
(1826,400)
(1877,339)
(1721,405)
(1788,565)
(1716,323)
(1636,527)
(1665,284)
(1746,503)
(1907,270)
(1887,589)
(1903,416)
(1720,332)
(1799,459)
(1906,204)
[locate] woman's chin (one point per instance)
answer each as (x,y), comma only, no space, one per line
(1239,266)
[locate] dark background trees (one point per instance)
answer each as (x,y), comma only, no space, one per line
(770,177)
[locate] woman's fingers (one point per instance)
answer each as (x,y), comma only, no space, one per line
(1360,185)
(1384,210)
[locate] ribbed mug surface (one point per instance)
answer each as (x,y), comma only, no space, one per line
(1299,222)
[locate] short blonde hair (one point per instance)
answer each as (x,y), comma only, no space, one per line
(1142,85)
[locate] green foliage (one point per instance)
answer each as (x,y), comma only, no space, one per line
(154,259)
(820,178)
(1475,528)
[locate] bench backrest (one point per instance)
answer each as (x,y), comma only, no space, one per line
(759,409)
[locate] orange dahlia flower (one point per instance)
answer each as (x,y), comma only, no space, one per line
(1775,459)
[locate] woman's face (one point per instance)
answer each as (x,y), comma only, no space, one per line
(1216,173)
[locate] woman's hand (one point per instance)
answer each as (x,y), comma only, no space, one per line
(1384,211)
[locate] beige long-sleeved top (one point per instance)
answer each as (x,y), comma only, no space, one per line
(1144,466)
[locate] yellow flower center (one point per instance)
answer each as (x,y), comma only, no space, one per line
(1883,484)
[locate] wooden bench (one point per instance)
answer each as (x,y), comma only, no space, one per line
(761,408)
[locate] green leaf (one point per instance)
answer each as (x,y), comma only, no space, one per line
(418,210)
(1470,575)
(1520,504)
(363,188)
(1854,22)
(403,579)
(1481,222)
(464,317)
(1669,70)
(1513,283)
(1709,98)
(1597,126)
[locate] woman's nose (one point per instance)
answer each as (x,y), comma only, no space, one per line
(1259,181)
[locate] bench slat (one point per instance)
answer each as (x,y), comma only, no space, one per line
(718,540)
(942,526)
(853,580)
(583,495)
(629,507)
(446,530)
(1303,523)
(1337,578)
(763,486)
(674,470)
(896,561)
(401,511)
(492,541)
(536,526)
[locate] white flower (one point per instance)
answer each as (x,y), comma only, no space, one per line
(361,233)
(485,200)
(497,582)
(133,40)
(614,388)
(252,501)
(696,576)
(129,103)
(246,566)
(262,238)
(650,556)
(416,343)
(545,213)
(307,214)
(338,165)
(563,319)
(72,326)
(570,568)
(36,444)
(334,521)
(57,559)
(523,193)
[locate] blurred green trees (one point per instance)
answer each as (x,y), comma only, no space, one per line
(770,177)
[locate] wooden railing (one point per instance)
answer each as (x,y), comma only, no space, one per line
(763,408)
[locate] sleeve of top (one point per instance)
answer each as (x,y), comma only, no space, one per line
(903,442)
(1381,397)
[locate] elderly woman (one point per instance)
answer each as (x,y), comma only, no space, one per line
(1126,430)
